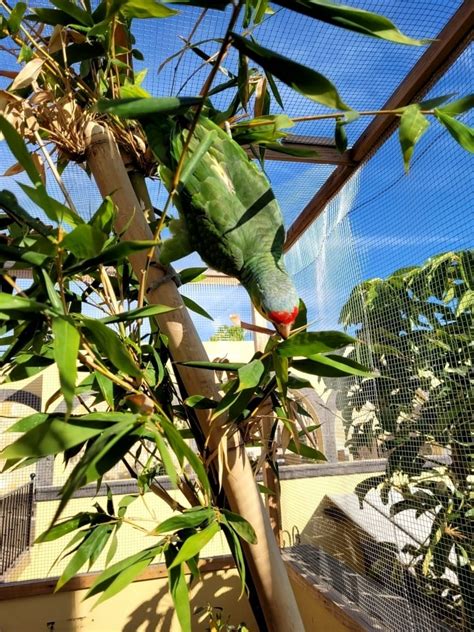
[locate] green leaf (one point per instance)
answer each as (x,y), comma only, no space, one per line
(56,211)
(66,341)
(413,124)
(179,591)
(66,526)
(111,346)
(135,314)
(182,450)
(27,423)
(187,520)
(459,106)
(332,366)
(304,80)
(10,253)
(166,459)
(463,134)
(309,343)
(352,19)
(103,219)
(200,402)
(340,136)
(363,488)
(78,15)
(52,436)
(139,108)
(193,545)
(191,274)
(143,9)
(429,104)
(306,451)
(85,241)
(83,553)
(52,294)
(13,302)
(106,388)
(242,527)
(194,307)
(106,581)
(16,16)
(110,255)
(466,302)
(214,366)
(52,17)
(250,375)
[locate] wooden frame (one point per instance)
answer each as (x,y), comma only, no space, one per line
(454,37)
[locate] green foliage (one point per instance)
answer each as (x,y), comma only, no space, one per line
(416,328)
(230,333)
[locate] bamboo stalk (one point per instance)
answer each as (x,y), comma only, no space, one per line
(270,478)
(264,560)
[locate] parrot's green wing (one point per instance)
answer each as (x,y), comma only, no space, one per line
(226,205)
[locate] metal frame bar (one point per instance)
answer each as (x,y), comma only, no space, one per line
(453,38)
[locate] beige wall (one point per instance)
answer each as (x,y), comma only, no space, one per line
(143,606)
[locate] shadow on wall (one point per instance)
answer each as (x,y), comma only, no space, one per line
(219,590)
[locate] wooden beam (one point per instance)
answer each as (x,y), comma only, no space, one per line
(47,586)
(454,37)
(325,151)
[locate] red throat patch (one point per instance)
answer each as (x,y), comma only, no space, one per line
(283,318)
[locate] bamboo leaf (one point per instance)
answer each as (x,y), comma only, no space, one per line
(250,375)
(27,423)
(304,80)
(110,255)
(143,107)
(242,527)
(111,574)
(166,458)
(187,520)
(135,314)
(109,343)
(178,590)
(191,274)
(413,124)
(461,133)
(306,451)
(66,341)
(85,241)
(214,366)
(194,307)
(309,343)
(66,526)
(144,9)
(195,543)
(459,106)
(52,436)
(83,553)
(332,366)
(79,15)
(352,19)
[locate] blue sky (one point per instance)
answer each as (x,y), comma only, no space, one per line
(384,219)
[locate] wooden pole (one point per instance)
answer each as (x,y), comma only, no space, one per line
(264,560)
(270,478)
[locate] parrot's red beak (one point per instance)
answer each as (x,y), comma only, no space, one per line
(282,321)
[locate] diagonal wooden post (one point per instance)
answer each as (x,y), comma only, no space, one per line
(268,572)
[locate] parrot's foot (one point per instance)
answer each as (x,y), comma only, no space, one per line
(170,275)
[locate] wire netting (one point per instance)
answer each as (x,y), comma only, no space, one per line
(379,546)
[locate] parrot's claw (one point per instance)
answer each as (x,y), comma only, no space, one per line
(170,275)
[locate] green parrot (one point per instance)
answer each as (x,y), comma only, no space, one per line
(228,213)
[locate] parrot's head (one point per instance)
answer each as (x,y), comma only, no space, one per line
(274,296)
